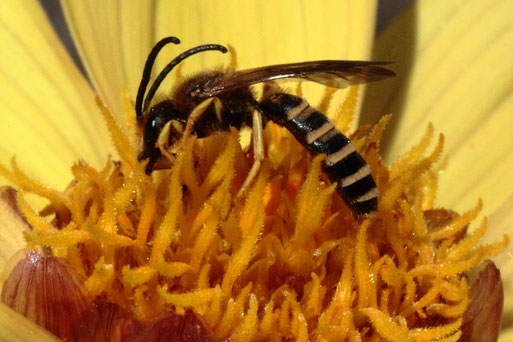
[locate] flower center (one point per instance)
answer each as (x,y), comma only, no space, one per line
(286,260)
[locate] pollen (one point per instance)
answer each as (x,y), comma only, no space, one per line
(287,260)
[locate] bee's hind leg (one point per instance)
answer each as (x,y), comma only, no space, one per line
(258,151)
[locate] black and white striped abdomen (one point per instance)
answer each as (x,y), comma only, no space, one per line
(316,132)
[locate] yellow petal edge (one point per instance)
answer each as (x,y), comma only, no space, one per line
(451,71)
(48,111)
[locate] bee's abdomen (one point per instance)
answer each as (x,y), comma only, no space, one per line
(315,131)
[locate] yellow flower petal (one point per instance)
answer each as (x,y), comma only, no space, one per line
(113,39)
(15,327)
(12,226)
(114,48)
(453,70)
(279,33)
(502,222)
(285,31)
(49,119)
(506,335)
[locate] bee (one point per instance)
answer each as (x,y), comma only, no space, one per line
(219,99)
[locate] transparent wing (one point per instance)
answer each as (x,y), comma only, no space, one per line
(336,74)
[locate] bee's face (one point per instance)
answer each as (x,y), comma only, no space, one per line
(158,116)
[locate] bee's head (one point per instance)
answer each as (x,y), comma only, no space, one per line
(158,117)
(142,102)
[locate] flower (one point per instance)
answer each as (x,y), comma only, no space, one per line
(102,71)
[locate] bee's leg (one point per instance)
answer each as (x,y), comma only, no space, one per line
(258,151)
(163,140)
(197,112)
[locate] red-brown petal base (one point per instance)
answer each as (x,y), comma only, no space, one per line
(482,319)
(104,321)
(45,290)
(174,327)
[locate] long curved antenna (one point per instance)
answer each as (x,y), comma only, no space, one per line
(147,72)
(173,63)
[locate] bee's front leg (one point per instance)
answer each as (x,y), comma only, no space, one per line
(198,111)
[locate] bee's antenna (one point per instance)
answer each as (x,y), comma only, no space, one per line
(147,72)
(172,64)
